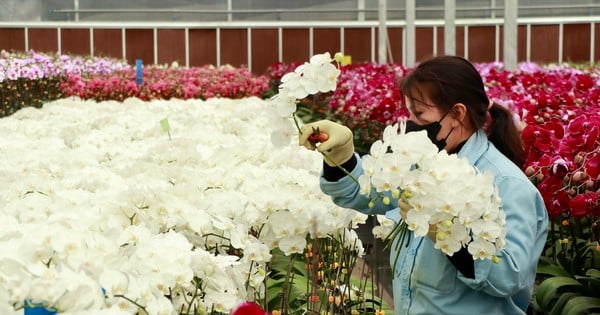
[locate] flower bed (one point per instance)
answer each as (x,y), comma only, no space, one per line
(106,210)
(31,78)
(166,83)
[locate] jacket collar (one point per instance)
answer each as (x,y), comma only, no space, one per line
(475,146)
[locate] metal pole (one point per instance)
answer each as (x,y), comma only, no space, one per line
(450,27)
(361,8)
(229,9)
(510,34)
(76,9)
(409,46)
(382,37)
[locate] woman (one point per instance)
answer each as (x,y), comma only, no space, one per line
(446,97)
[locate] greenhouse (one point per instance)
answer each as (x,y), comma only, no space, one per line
(299,157)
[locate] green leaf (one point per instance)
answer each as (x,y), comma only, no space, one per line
(591,283)
(295,292)
(580,304)
(548,267)
(164,125)
(549,289)
(562,300)
(593,273)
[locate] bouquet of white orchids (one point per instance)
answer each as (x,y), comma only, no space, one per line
(437,191)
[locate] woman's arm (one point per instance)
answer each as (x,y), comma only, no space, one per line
(526,230)
(345,192)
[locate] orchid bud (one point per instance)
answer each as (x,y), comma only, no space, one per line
(589,184)
(386,200)
(539,177)
(495,259)
(338,57)
(578,159)
(396,193)
(440,236)
(579,176)
(529,171)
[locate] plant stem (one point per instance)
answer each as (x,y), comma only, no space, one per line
(132,302)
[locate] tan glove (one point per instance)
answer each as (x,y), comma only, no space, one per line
(404,207)
(339,146)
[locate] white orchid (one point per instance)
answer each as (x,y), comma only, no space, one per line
(439,189)
(100,193)
(317,76)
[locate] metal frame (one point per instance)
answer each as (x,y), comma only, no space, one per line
(249,25)
(361,9)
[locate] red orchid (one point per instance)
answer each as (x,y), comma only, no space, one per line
(584,204)
(248,308)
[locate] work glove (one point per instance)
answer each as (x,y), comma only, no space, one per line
(335,141)
(404,207)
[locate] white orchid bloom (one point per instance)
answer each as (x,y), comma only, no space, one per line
(481,249)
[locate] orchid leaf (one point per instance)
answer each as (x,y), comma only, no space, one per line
(581,305)
(594,273)
(560,303)
(547,267)
(550,288)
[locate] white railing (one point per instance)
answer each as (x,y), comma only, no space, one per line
(373,25)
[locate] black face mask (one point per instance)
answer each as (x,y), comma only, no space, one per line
(432,131)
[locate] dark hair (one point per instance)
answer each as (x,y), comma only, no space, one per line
(451,79)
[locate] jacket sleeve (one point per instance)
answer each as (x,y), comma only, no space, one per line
(526,231)
(346,193)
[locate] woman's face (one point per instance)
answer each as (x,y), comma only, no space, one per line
(423,111)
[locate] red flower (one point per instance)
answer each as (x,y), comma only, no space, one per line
(592,166)
(584,204)
(555,199)
(557,204)
(537,137)
(248,308)
(584,82)
(560,167)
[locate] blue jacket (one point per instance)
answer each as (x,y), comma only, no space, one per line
(426,282)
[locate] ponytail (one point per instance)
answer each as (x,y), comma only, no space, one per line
(503,133)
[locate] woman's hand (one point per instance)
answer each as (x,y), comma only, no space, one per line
(404,207)
(335,141)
